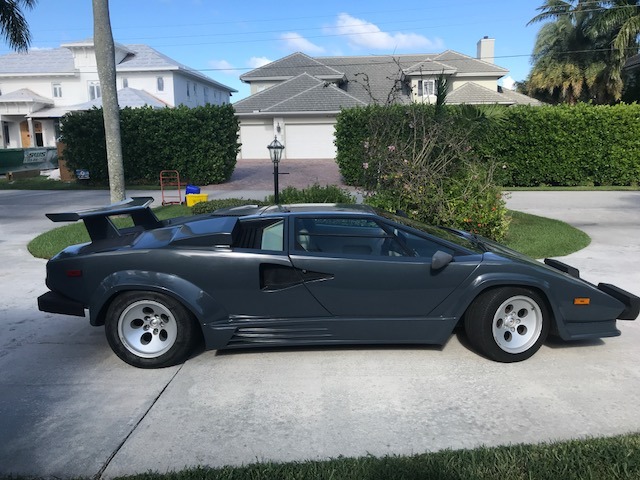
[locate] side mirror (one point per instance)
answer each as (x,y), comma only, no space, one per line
(440,260)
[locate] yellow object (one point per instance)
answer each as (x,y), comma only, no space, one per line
(581,301)
(193,198)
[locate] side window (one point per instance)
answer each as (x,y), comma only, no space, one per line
(263,234)
(273,237)
(349,236)
(422,247)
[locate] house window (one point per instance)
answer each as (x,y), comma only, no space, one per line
(195,89)
(160,84)
(125,83)
(426,88)
(5,133)
(188,89)
(94,90)
(56,128)
(57,90)
(206,94)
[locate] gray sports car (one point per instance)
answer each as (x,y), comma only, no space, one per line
(314,275)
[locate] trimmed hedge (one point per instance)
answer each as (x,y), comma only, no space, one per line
(568,145)
(550,145)
(201,143)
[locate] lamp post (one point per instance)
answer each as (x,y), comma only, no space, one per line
(275,152)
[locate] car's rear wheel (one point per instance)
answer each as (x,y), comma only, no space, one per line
(149,329)
(507,324)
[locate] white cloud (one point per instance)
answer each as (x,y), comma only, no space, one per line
(363,34)
(224,67)
(509,83)
(257,62)
(297,43)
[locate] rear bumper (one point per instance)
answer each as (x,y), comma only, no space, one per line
(630,301)
(53,302)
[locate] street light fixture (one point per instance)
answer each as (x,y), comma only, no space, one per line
(275,152)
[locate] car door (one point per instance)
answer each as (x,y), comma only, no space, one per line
(255,278)
(358,267)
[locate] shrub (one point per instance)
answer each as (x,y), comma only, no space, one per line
(425,164)
(212,205)
(313,194)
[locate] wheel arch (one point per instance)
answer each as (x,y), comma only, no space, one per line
(486,282)
(201,305)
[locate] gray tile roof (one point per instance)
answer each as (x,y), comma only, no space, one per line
(291,66)
(472,93)
(24,95)
(519,98)
(466,65)
(369,79)
(127,97)
(50,61)
(60,61)
(295,95)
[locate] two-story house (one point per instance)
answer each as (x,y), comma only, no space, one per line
(297,98)
(39,87)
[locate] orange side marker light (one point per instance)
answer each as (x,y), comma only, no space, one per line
(581,301)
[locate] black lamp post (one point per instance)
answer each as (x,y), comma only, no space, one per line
(275,152)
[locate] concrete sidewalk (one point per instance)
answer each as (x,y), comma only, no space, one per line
(69,407)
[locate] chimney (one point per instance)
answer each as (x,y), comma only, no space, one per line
(486,48)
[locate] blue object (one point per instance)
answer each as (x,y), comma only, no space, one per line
(192,189)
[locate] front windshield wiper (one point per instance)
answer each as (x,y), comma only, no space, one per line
(472,237)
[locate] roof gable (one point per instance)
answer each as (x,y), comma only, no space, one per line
(290,66)
(464,64)
(430,66)
(303,93)
(24,95)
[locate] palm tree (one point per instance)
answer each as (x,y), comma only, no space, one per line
(13,25)
(622,19)
(105,58)
(571,61)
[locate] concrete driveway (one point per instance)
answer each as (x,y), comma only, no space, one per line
(69,407)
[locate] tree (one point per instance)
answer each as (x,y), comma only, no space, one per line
(13,25)
(571,60)
(105,58)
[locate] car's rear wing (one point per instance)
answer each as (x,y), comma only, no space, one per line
(98,221)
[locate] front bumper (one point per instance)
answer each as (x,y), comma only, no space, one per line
(53,302)
(630,301)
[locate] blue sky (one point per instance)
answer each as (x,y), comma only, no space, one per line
(225,39)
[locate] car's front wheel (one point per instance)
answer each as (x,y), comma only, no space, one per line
(507,324)
(149,329)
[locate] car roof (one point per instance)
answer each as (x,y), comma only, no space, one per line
(304,208)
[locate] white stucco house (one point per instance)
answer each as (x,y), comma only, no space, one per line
(297,98)
(39,87)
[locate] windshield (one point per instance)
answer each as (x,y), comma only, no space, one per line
(449,235)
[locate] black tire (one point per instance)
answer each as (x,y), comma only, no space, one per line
(150,330)
(507,324)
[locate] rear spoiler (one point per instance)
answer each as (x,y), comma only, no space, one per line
(100,226)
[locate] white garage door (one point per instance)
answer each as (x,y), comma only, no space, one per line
(255,138)
(309,141)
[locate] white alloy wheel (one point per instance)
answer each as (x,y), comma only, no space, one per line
(517,324)
(147,328)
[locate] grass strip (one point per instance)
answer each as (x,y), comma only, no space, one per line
(606,458)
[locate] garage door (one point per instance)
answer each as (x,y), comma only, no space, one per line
(309,141)
(255,138)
